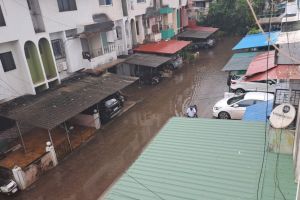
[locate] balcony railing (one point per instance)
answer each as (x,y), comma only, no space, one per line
(119,49)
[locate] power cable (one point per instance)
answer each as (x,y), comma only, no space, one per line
(144,186)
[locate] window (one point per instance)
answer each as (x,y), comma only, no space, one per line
(141,1)
(105,2)
(119,32)
(246,103)
(66,5)
(58,49)
(2,21)
(137,27)
(7,61)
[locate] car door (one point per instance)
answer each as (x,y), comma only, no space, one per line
(239,108)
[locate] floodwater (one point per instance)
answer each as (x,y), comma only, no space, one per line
(90,170)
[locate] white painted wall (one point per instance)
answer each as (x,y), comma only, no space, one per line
(171,3)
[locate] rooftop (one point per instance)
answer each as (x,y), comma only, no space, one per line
(261,63)
(207,158)
(239,61)
(162,47)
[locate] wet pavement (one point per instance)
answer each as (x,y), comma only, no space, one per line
(90,170)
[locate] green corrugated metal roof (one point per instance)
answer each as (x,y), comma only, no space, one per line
(240,61)
(192,159)
(285,174)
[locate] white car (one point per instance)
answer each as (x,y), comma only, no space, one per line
(242,86)
(235,106)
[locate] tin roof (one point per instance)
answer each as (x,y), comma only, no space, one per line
(53,107)
(278,72)
(239,61)
(194,34)
(162,47)
(148,60)
(256,40)
(261,63)
(192,158)
(288,37)
(258,112)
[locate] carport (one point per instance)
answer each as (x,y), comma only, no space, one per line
(194,35)
(49,111)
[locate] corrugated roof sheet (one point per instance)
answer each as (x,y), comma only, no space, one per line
(194,34)
(149,60)
(292,49)
(261,63)
(285,175)
(279,72)
(239,61)
(256,40)
(197,159)
(162,47)
(258,112)
(53,107)
(288,37)
(192,25)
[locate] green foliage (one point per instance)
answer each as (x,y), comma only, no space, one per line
(232,16)
(254,30)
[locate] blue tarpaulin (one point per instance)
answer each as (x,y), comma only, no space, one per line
(257,112)
(256,40)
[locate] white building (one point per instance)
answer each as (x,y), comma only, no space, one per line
(44,41)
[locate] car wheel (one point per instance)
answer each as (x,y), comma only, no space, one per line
(224,115)
(239,91)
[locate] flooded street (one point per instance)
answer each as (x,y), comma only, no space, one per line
(88,172)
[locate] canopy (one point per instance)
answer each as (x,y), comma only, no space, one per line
(162,47)
(194,34)
(239,61)
(148,60)
(102,68)
(102,24)
(261,62)
(278,72)
(258,112)
(53,107)
(256,40)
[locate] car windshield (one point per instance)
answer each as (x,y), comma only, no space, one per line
(235,99)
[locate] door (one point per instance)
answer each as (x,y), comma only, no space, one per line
(238,109)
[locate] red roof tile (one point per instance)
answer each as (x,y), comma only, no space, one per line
(163,47)
(193,26)
(260,62)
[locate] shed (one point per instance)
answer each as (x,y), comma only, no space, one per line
(148,60)
(256,40)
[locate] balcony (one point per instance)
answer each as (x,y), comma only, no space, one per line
(165,10)
(167,34)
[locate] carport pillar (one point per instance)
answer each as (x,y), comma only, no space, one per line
(68,137)
(50,137)
(20,133)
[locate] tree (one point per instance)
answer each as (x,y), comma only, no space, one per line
(232,16)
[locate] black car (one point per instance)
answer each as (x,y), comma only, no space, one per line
(111,106)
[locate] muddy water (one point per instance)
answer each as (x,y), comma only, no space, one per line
(89,171)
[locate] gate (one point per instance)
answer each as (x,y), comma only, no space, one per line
(62,150)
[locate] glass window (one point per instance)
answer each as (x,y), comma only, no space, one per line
(58,49)
(66,5)
(235,99)
(7,61)
(246,103)
(105,2)
(2,21)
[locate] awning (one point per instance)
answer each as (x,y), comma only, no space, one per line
(194,34)
(102,68)
(102,24)
(292,49)
(266,20)
(148,60)
(261,62)
(162,47)
(239,61)
(48,110)
(258,112)
(279,72)
(256,40)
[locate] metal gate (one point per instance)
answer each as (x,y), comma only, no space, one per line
(62,150)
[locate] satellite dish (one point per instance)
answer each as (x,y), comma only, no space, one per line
(283,115)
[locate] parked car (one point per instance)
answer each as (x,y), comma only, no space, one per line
(203,44)
(176,62)
(241,85)
(8,186)
(235,106)
(111,106)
